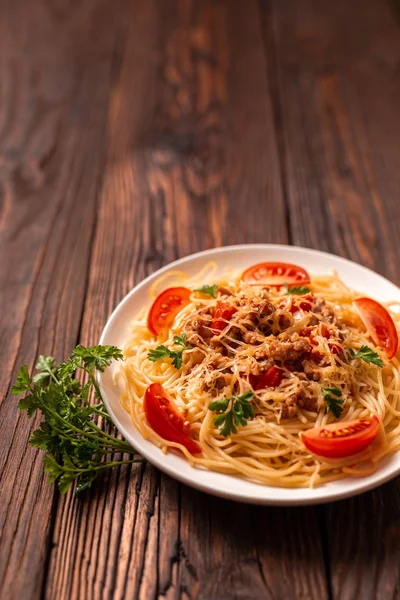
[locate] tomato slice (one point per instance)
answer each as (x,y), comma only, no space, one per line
(271,378)
(165,307)
(379,324)
(275,274)
(339,440)
(222,314)
(164,418)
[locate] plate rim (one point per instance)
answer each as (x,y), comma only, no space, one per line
(362,485)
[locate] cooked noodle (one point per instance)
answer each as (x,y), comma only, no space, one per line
(268,449)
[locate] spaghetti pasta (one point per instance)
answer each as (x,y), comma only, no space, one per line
(309,344)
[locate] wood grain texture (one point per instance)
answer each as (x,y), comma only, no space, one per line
(186,162)
(132,136)
(53,106)
(337,87)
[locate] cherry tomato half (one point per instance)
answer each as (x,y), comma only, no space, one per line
(164,418)
(165,307)
(339,440)
(379,324)
(276,274)
(271,378)
(222,314)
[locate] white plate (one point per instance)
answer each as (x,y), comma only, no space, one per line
(227,486)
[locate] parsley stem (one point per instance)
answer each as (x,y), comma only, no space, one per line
(107,435)
(121,443)
(107,447)
(93,380)
(50,372)
(105,465)
(101,413)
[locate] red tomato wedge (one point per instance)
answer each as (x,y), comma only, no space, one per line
(379,324)
(222,314)
(164,418)
(271,378)
(339,440)
(276,274)
(165,307)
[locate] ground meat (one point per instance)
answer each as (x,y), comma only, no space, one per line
(259,368)
(202,329)
(265,329)
(255,310)
(198,330)
(318,304)
(285,320)
(215,344)
(255,369)
(217,382)
(193,339)
(264,307)
(224,291)
(308,403)
(245,325)
(254,338)
(247,322)
(311,372)
(326,311)
(262,352)
(289,407)
(264,365)
(284,348)
(191,358)
(299,399)
(220,362)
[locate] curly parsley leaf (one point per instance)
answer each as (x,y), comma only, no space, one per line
(23,382)
(76,446)
(180,340)
(333,400)
(159,353)
(297,291)
(45,367)
(211,290)
(176,355)
(97,357)
(219,405)
(367,355)
(240,410)
(27,403)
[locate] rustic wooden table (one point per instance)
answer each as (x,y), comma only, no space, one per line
(139,131)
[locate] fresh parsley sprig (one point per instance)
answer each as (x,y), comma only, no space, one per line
(297,291)
(240,410)
(76,447)
(367,355)
(333,400)
(163,352)
(211,290)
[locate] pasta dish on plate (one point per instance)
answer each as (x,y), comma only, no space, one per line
(270,374)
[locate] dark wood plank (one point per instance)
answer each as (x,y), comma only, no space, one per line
(337,88)
(54,91)
(192,162)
